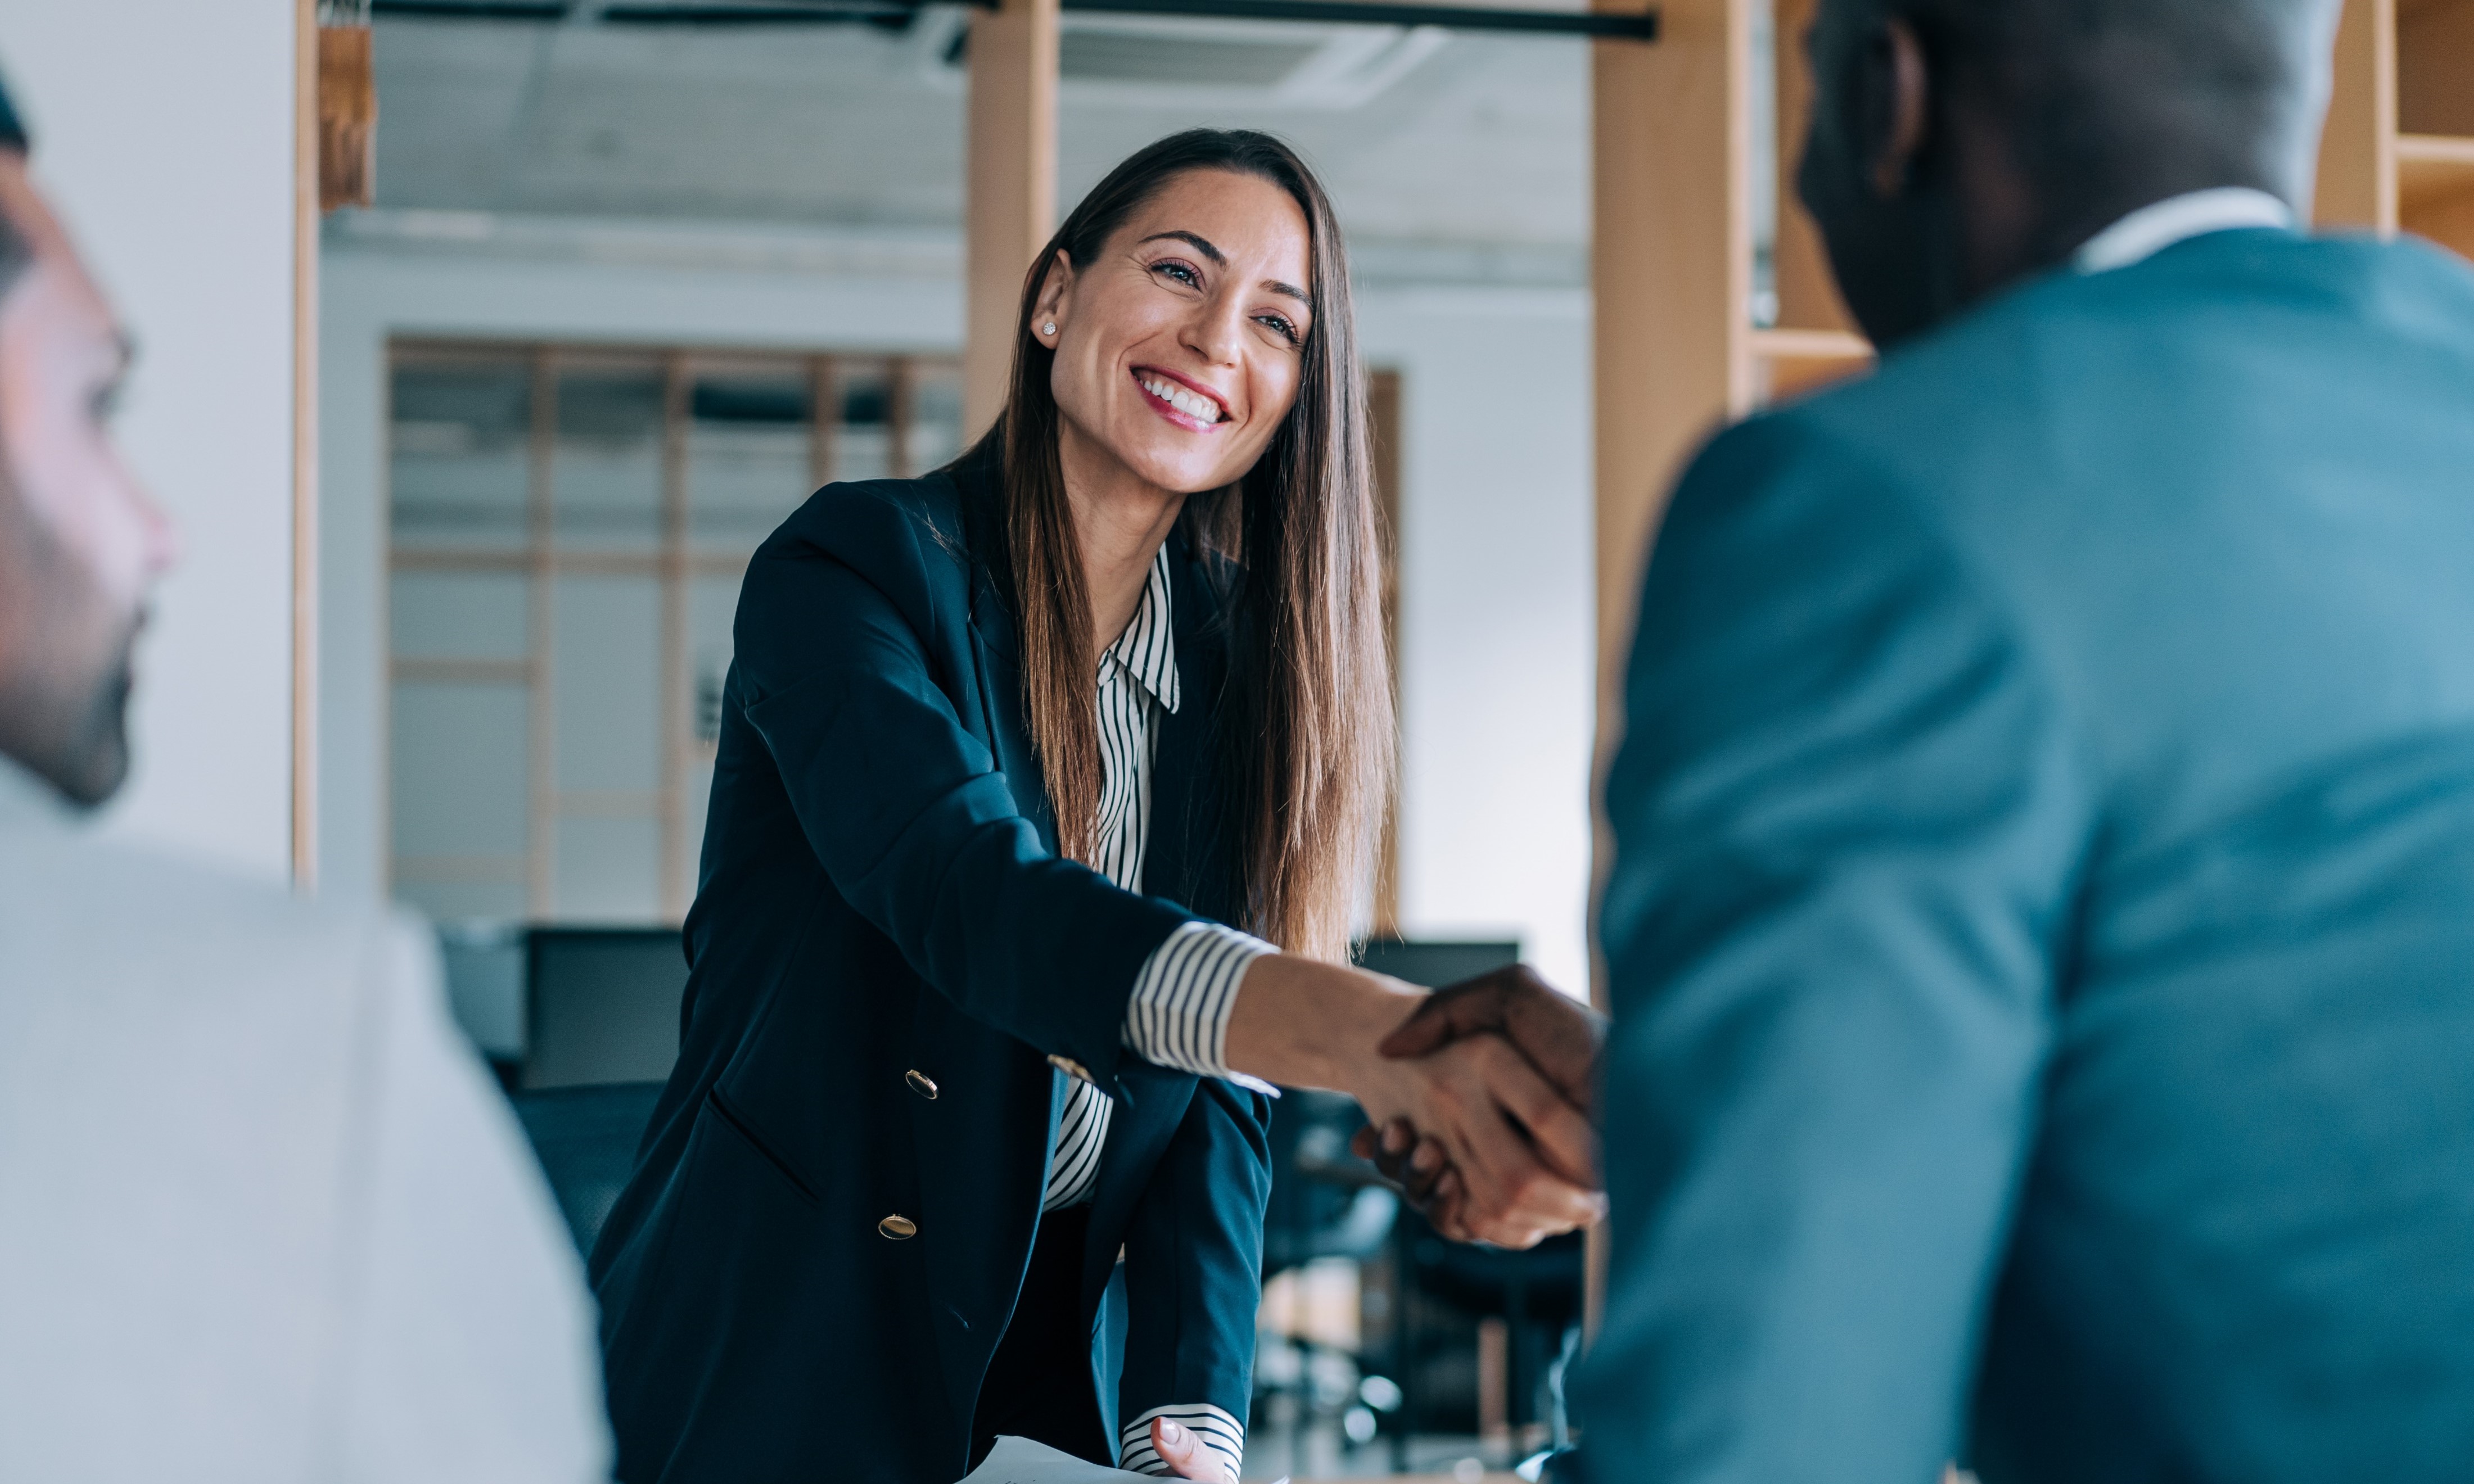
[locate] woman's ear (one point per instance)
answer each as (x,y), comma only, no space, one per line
(1898,108)
(1055,298)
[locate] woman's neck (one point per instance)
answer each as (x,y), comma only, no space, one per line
(1119,520)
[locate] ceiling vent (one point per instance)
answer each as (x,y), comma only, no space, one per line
(1170,62)
(1123,57)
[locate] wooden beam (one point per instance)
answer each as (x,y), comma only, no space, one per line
(901,402)
(677,690)
(304,444)
(1671,248)
(1671,255)
(1010,208)
(2358,158)
(824,419)
(540,625)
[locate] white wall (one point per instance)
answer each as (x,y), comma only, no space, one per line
(1497,612)
(1495,581)
(163,134)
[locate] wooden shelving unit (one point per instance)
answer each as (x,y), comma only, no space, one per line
(2400,147)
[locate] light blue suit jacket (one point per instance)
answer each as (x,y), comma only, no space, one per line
(2042,935)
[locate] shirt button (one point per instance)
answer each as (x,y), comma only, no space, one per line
(921,1083)
(897,1229)
(1069,1067)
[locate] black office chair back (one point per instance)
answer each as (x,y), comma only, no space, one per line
(601,1005)
(586,1140)
(1435,964)
(1325,1201)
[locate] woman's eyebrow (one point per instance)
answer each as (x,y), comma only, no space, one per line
(1198,242)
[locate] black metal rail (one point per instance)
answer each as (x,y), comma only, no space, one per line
(1609,25)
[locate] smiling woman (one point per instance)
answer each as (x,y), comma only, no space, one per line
(1167,371)
(1028,771)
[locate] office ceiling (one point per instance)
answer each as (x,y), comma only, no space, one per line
(1426,139)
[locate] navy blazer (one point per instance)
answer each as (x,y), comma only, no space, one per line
(889,964)
(2042,931)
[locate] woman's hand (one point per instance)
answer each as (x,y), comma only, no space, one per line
(1186,1454)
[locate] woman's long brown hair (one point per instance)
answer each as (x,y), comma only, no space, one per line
(1306,747)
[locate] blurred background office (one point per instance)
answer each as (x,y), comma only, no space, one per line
(633,282)
(507,328)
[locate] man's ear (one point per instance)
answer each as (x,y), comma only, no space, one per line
(1898,113)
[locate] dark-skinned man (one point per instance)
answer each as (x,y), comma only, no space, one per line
(263,1220)
(2042,936)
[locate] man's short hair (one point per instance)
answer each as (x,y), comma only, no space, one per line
(2091,79)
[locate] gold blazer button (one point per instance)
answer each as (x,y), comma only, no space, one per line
(897,1229)
(1069,1067)
(921,1083)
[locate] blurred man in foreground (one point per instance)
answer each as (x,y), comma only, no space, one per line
(261,1218)
(2042,936)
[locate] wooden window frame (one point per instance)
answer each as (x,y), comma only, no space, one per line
(673,563)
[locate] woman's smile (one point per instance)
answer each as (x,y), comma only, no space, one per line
(1193,408)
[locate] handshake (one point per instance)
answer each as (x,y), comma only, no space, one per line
(1479,1098)
(1509,1156)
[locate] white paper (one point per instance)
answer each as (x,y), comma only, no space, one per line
(1021,1461)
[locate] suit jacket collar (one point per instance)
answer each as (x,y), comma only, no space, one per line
(26,800)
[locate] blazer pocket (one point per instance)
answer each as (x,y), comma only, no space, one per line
(730,1116)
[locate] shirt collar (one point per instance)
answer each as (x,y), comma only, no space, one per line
(1146,650)
(2153,228)
(24,796)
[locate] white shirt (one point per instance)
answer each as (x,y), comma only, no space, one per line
(263,1219)
(2153,228)
(1184,993)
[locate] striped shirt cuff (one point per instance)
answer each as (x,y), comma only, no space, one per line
(1178,1017)
(1219,1432)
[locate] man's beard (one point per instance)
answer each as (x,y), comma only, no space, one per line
(64,709)
(94,758)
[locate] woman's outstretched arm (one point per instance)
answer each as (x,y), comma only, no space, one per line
(845,652)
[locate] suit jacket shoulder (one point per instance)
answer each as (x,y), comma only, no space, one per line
(211,1094)
(906,538)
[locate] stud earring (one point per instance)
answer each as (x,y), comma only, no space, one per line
(1050,329)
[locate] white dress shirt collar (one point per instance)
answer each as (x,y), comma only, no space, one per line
(2153,228)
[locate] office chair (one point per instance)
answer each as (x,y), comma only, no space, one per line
(601,1005)
(1431,966)
(586,1140)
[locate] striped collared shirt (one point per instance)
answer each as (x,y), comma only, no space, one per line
(1178,1017)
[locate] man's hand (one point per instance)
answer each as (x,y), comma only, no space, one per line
(1560,1036)
(1557,1036)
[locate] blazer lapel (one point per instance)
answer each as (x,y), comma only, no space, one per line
(998,652)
